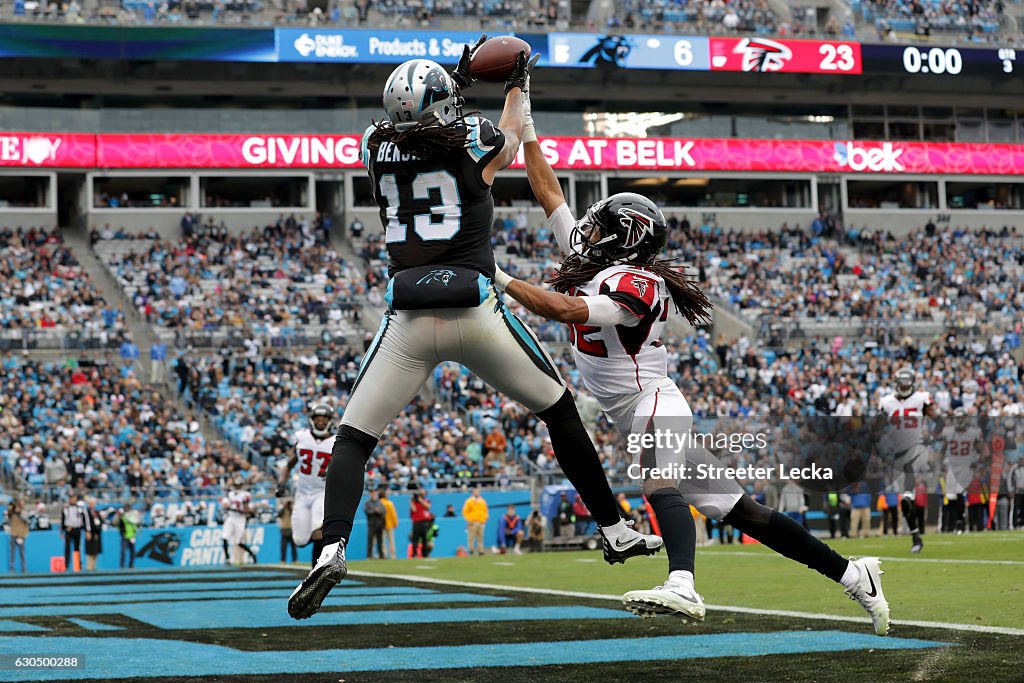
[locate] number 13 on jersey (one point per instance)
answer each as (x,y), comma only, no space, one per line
(440,222)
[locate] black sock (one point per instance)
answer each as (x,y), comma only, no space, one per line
(318,545)
(909,514)
(227,552)
(578,459)
(352,448)
(677,528)
(248,550)
(785,536)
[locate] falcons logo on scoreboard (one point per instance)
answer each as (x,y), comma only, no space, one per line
(760,54)
(637,227)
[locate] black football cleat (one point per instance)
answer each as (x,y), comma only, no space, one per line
(630,544)
(305,600)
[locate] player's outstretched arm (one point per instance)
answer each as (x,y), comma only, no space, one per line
(511,122)
(543,181)
(593,310)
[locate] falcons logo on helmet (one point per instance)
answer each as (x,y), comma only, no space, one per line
(637,227)
(760,54)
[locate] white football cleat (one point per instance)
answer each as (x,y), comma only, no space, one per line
(868,592)
(671,599)
(306,599)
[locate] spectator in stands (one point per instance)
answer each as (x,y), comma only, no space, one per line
(375,513)
(475,512)
(511,531)
(390,524)
(17,530)
(93,535)
(356,229)
(74,519)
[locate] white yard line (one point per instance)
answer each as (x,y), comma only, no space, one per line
(737,553)
(721,608)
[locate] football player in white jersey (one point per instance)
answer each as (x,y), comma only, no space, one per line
(312,454)
(616,296)
(237,506)
(902,442)
(962,451)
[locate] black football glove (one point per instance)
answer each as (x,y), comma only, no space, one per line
(462,75)
(282,491)
(520,75)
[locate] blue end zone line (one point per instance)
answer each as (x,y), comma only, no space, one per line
(1004,630)
(209,587)
(198,596)
(146,611)
(132,575)
(105,657)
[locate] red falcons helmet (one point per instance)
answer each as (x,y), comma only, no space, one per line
(625,227)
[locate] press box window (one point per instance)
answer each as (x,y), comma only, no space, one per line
(254,192)
(141,192)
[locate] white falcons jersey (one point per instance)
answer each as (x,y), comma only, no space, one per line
(314,456)
(906,420)
(961,456)
(236,502)
(618,360)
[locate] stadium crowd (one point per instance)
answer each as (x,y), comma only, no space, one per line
(42,287)
(93,427)
(970,17)
(278,280)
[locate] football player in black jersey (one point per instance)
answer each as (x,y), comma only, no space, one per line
(431,167)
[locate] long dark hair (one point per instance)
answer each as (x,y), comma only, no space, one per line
(688,297)
(423,141)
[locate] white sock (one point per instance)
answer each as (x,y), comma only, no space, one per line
(615,530)
(851,576)
(681,577)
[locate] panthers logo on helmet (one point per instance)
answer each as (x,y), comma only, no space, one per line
(442,275)
(436,88)
(637,225)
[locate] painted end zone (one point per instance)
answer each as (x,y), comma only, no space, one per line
(106,660)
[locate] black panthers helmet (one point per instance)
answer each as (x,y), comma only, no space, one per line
(624,227)
(320,419)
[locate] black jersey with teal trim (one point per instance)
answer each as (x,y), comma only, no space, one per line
(437,211)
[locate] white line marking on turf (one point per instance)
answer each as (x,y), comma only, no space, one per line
(932,560)
(1003,630)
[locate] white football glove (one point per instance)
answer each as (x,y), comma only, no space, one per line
(529,132)
(501,278)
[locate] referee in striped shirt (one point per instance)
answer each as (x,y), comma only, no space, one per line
(73,519)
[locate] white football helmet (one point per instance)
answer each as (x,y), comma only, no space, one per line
(421,92)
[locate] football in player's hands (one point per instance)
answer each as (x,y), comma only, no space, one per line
(496,58)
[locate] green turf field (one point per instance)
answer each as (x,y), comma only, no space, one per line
(958,589)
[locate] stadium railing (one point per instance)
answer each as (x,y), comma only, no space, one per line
(56,339)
